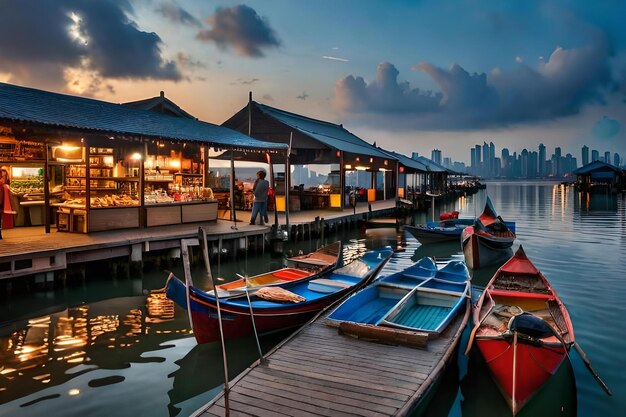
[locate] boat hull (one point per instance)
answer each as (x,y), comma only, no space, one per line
(426,234)
(481,251)
(520,370)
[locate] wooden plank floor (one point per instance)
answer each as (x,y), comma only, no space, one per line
(317,372)
(23,241)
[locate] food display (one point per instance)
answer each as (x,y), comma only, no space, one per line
(32,185)
(113,201)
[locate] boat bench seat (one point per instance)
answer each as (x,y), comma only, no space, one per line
(327,285)
(291,274)
(504,293)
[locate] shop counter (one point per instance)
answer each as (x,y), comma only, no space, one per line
(112,218)
(177,213)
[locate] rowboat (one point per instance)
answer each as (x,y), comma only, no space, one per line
(284,305)
(302,267)
(488,240)
(445,230)
(522,329)
(421,298)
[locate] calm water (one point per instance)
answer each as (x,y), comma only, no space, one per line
(112,347)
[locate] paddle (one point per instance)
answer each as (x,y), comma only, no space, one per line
(470,342)
(553,308)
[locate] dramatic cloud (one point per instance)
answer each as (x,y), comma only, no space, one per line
(383,95)
(187,62)
(41,41)
(558,87)
(606,128)
(241,29)
(173,12)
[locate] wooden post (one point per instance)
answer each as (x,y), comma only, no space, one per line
(143,221)
(342,181)
(287,181)
(87,187)
(46,191)
(233,215)
(273,185)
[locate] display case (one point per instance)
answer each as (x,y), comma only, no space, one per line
(27,194)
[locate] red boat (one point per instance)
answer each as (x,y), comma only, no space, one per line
(488,241)
(522,329)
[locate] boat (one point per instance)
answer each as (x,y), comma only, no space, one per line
(274,307)
(421,298)
(445,230)
(302,267)
(522,329)
(488,240)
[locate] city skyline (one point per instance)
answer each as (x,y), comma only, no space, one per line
(412,75)
(526,164)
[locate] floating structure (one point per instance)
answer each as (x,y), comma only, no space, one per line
(600,175)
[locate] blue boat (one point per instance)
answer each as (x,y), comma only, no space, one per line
(421,298)
(274,307)
(445,230)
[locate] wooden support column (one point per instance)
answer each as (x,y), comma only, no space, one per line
(46,190)
(142,182)
(342,181)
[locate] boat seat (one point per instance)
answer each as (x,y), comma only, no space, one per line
(291,274)
(325,285)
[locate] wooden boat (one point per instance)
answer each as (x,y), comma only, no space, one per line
(302,267)
(273,314)
(522,329)
(445,230)
(421,299)
(488,240)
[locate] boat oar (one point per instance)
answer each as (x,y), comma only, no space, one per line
(553,309)
(470,342)
(256,336)
(587,362)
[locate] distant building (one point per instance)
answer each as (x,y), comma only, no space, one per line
(616,160)
(435,156)
(595,155)
(607,157)
(542,160)
(585,155)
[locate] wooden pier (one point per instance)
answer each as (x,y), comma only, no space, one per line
(30,251)
(318,372)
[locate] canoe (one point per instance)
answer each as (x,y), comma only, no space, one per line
(445,230)
(488,240)
(522,329)
(422,298)
(302,267)
(272,315)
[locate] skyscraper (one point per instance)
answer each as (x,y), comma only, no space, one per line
(492,160)
(436,156)
(595,155)
(607,157)
(473,159)
(477,169)
(486,168)
(616,159)
(585,155)
(542,160)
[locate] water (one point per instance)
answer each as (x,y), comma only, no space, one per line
(109,346)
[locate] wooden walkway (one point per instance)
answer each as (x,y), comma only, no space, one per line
(28,250)
(317,372)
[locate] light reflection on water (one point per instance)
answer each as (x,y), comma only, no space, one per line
(121,349)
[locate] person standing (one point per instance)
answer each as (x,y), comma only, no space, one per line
(260,189)
(4,189)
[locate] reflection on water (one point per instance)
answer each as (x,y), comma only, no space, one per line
(117,347)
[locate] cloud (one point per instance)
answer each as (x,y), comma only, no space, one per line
(606,128)
(240,28)
(334,58)
(245,81)
(556,87)
(173,12)
(40,41)
(267,97)
(187,62)
(303,96)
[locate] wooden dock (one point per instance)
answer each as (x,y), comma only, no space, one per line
(318,372)
(30,251)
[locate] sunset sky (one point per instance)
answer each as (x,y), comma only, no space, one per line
(410,75)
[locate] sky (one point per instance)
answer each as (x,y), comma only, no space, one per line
(408,75)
